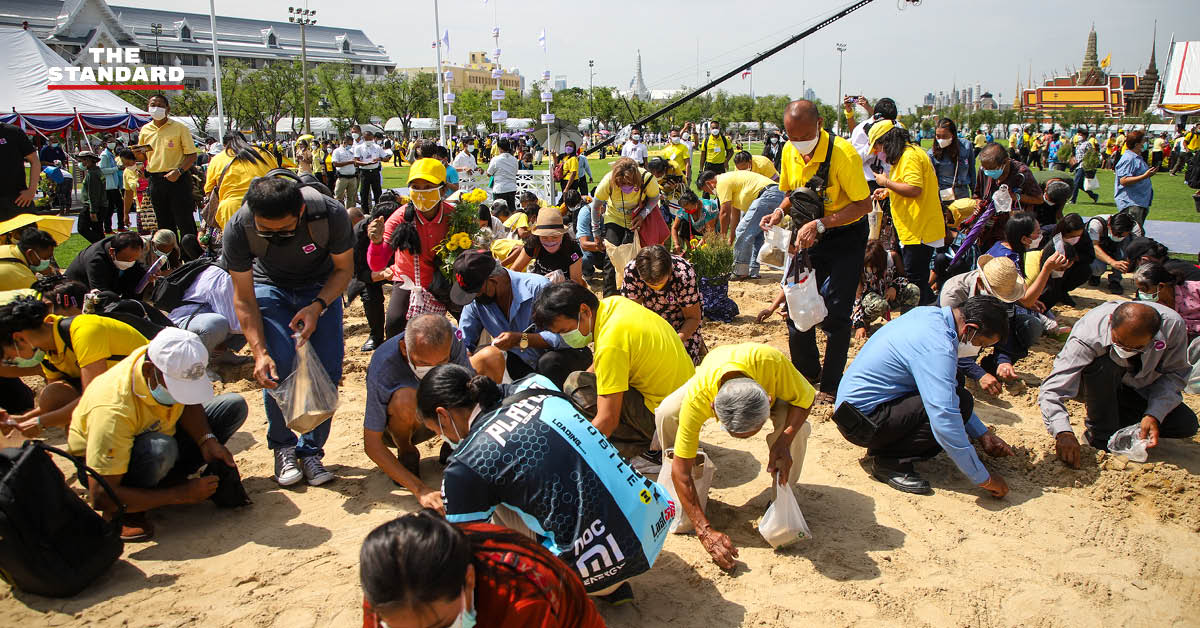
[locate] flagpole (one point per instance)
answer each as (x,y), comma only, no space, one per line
(437,34)
(212,20)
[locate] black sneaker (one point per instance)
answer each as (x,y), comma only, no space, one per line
(1114,287)
(623,595)
(1094,281)
(653,457)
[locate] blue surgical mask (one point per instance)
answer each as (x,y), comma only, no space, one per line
(995,174)
(162,395)
(40,266)
(19,362)
(1152,297)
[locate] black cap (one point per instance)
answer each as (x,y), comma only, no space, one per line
(471,269)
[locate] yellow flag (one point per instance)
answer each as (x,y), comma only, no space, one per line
(1106,61)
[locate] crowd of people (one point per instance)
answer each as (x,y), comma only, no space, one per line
(556,407)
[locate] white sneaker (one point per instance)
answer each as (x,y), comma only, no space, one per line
(314,471)
(287,471)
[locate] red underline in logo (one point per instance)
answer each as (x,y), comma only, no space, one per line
(144,88)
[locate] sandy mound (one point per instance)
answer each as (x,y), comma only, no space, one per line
(1113,543)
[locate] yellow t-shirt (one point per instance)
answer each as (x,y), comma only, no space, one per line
(517,221)
(237,180)
(918,220)
(1193,141)
(1033,264)
(14,270)
(170,142)
(677,158)
(763,166)
(114,410)
(130,179)
(716,149)
(846,185)
(93,338)
(570,167)
(502,247)
(618,204)
(763,363)
(980,140)
(740,187)
(638,349)
(1035,143)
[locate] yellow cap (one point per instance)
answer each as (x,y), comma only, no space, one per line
(429,169)
(878,129)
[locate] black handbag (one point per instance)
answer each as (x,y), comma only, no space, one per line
(855,426)
(52,543)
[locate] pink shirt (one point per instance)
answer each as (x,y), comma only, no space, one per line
(1187,303)
(431,232)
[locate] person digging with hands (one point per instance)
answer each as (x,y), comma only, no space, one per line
(290,253)
(742,386)
(148,423)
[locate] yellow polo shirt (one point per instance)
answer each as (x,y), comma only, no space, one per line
(517,221)
(763,363)
(918,220)
(763,166)
(14,269)
(846,181)
(130,179)
(1193,141)
(741,187)
(113,411)
(618,205)
(638,349)
(980,140)
(677,157)
(717,149)
(236,182)
(570,166)
(93,338)
(170,142)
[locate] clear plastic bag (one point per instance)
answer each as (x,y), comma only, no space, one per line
(1091,184)
(806,306)
(1002,199)
(307,397)
(774,248)
(783,522)
(1127,442)
(703,470)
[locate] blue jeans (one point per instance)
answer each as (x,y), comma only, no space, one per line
(748,236)
(213,330)
(155,455)
(278,306)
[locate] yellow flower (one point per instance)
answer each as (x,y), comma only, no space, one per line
(477,195)
(695,242)
(451,245)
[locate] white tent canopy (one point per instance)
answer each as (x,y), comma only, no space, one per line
(319,126)
(25,78)
(393,125)
(1181,83)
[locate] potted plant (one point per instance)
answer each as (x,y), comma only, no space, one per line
(713,260)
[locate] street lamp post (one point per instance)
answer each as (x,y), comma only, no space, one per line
(841,48)
(591,107)
(304,17)
(157,29)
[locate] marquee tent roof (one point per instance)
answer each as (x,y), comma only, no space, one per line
(1181,83)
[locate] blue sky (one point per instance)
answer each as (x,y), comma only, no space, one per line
(891,52)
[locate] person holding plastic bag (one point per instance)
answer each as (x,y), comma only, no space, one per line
(290,253)
(1127,363)
(742,386)
(623,200)
(559,483)
(901,397)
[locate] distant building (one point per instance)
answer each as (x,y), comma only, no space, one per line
(476,74)
(70,27)
(809,94)
(560,82)
(987,103)
(637,85)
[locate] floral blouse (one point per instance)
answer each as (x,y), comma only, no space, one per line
(682,290)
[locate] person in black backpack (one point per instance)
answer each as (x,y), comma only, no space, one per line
(289,250)
(198,297)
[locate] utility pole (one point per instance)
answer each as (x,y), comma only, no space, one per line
(841,48)
(157,29)
(304,17)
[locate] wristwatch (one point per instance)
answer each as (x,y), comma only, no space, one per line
(206,437)
(524,340)
(820,227)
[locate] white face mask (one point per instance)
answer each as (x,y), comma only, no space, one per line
(687,136)
(471,419)
(636,138)
(966,349)
(112,145)
(158,113)
(354,135)
(1036,241)
(946,142)
(805,146)
(674,139)
(122,265)
(714,131)
(1124,353)
(419,371)
(1072,241)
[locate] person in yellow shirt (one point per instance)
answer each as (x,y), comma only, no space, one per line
(239,163)
(836,240)
(1035,152)
(741,385)
(716,149)
(916,209)
(19,263)
(639,360)
(149,423)
(678,156)
(745,199)
(743,160)
(570,169)
(72,352)
(169,153)
(623,200)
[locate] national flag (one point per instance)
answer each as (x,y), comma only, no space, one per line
(745,73)
(446,39)
(1106,61)
(542,39)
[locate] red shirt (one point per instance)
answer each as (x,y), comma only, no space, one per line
(431,232)
(514,590)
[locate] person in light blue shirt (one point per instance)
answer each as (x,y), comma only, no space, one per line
(901,397)
(1132,190)
(593,247)
(500,301)
(112,184)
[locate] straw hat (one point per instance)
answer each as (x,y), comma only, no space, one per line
(1001,278)
(549,223)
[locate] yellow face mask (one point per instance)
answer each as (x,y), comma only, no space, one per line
(426,200)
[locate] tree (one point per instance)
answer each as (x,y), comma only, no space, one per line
(272,89)
(197,105)
(239,103)
(405,97)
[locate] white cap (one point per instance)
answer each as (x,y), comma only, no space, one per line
(183,361)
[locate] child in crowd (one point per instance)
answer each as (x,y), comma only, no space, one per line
(694,217)
(881,290)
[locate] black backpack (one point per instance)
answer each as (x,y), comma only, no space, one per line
(51,542)
(169,290)
(144,326)
(316,216)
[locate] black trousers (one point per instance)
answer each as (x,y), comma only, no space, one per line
(916,268)
(372,298)
(838,260)
(174,208)
(89,225)
(1111,405)
(16,397)
(370,186)
(617,235)
(507,197)
(397,312)
(115,203)
(904,431)
(555,364)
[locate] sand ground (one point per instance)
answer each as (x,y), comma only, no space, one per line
(1114,543)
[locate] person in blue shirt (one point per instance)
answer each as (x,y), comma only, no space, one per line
(901,397)
(500,301)
(952,161)
(112,184)
(695,217)
(593,247)
(1133,191)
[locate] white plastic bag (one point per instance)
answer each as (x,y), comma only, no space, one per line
(1091,184)
(1127,442)
(783,522)
(806,306)
(703,469)
(774,249)
(621,255)
(1002,199)
(307,397)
